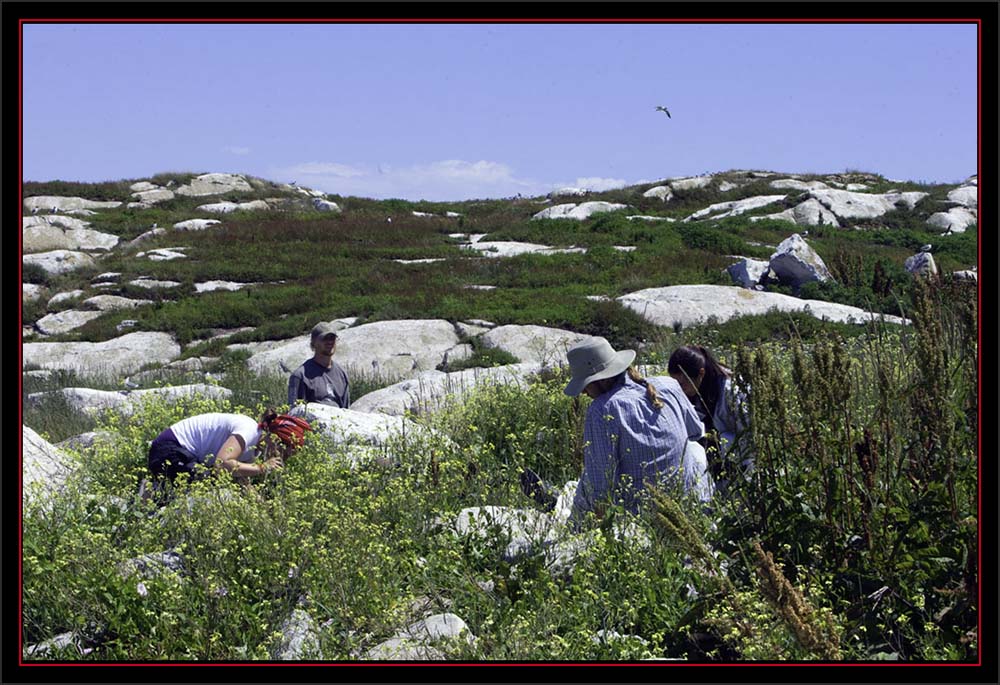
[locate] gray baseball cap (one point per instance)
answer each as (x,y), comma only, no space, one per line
(323,329)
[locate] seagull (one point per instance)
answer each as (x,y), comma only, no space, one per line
(154,225)
(129,383)
(34,210)
(661,108)
(926,248)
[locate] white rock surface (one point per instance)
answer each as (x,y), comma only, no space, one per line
(720,210)
(795,184)
(393,349)
(114,358)
(644,217)
(325,205)
(808,213)
(153,195)
(107,303)
(227,207)
(432,390)
(215,184)
(921,264)
(44,467)
(64,321)
(210,286)
(851,205)
(747,273)
(956,219)
(32,291)
(512,248)
(688,305)
(579,212)
(64,296)
(163,254)
(568,191)
(45,203)
(196,224)
(533,344)
(967,196)
(153,283)
(795,262)
(125,402)
(347,426)
(299,638)
(59,261)
(664,193)
(690,183)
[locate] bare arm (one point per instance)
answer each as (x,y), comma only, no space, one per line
(229,454)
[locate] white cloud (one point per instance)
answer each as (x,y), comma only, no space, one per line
(237,150)
(596,183)
(450,179)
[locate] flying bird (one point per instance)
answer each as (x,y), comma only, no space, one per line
(661,108)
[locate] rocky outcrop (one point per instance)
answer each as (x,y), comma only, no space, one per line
(325,205)
(967,196)
(664,193)
(64,321)
(689,305)
(955,220)
(415,643)
(111,358)
(796,263)
(46,203)
(808,213)
(215,184)
(44,467)
(721,210)
(690,182)
(196,224)
(579,212)
(852,205)
(358,428)
(44,237)
(59,261)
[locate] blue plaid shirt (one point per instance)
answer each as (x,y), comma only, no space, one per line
(628,443)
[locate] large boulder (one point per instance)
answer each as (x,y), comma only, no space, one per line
(44,467)
(664,193)
(432,390)
(390,349)
(196,224)
(579,212)
(690,183)
(851,205)
(350,427)
(689,305)
(747,273)
(108,303)
(921,264)
(215,184)
(956,219)
(967,196)
(59,261)
(533,344)
(796,184)
(795,262)
(111,358)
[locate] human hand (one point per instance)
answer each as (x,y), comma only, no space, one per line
(271,464)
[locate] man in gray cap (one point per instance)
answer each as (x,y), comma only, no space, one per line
(321,379)
(637,431)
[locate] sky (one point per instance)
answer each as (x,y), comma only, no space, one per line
(457,112)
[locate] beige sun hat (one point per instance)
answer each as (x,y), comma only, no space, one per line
(594,360)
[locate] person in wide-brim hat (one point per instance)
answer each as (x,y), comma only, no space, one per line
(638,432)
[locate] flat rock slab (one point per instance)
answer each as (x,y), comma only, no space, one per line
(721,210)
(956,219)
(512,248)
(227,207)
(45,203)
(196,224)
(112,358)
(64,321)
(578,212)
(689,305)
(59,261)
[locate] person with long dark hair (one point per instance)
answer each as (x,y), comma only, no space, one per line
(719,403)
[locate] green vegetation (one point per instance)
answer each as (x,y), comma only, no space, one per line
(853,539)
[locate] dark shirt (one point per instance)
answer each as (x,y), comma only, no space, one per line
(314,383)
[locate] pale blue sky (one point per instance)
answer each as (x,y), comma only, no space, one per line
(451,112)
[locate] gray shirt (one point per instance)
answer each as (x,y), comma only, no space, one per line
(314,383)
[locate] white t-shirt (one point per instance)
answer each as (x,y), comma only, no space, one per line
(205,434)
